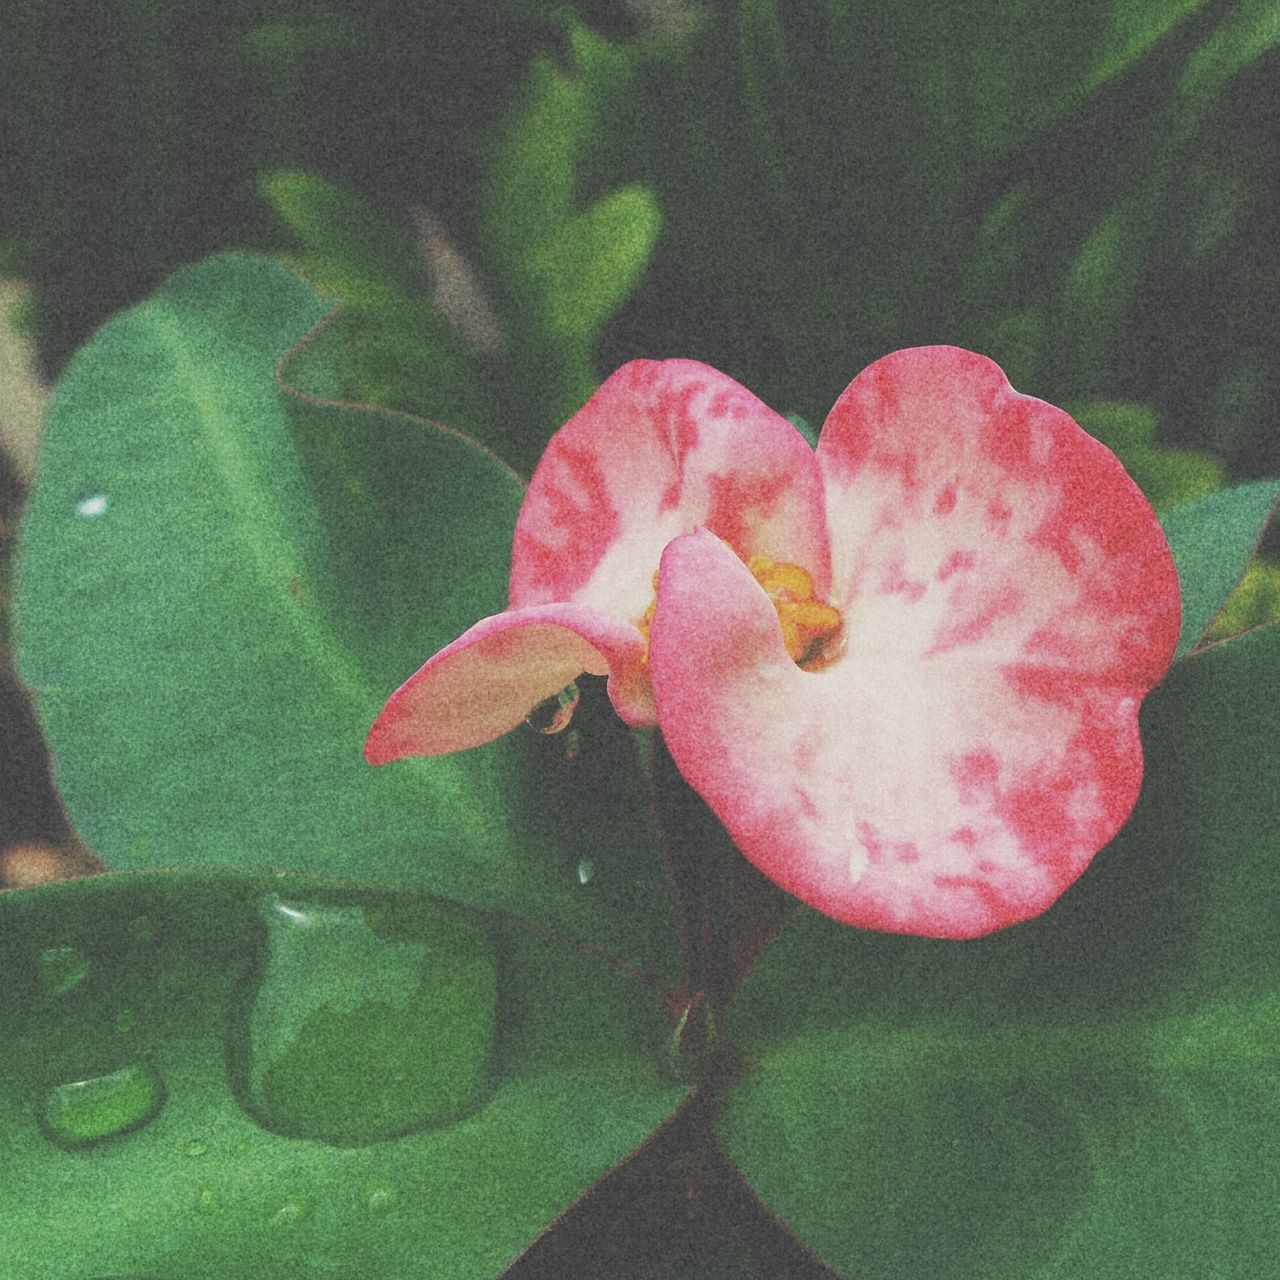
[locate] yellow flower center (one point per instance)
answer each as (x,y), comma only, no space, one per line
(809,627)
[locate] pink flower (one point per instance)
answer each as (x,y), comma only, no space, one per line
(903,670)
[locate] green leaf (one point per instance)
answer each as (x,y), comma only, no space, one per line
(819,166)
(1254,603)
(533,172)
(810,433)
(1248,31)
(351,251)
(268,1075)
(1092,1093)
(1134,221)
(1010,68)
(1241,405)
(1212,540)
(219,586)
(563,269)
(397,349)
(1102,282)
(588,267)
(1122,427)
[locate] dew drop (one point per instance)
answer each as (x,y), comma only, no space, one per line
(379,1200)
(289,1214)
(195,1147)
(93,505)
(552,715)
(586,871)
(79,1112)
(62,969)
(360,1024)
(206,1200)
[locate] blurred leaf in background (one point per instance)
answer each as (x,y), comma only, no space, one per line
(787,191)
(398,349)
(837,181)
(563,263)
(138,131)
(555,267)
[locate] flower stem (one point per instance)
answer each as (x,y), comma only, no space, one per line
(702,867)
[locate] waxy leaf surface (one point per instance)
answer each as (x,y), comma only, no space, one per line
(214,1074)
(1212,539)
(219,583)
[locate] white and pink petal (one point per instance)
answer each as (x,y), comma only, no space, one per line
(662,447)
(487,681)
(970,523)
(885,793)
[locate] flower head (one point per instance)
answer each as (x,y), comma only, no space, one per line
(904,670)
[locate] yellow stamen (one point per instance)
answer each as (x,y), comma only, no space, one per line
(814,616)
(809,627)
(781,580)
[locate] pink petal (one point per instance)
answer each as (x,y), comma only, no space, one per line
(887,792)
(489,679)
(970,523)
(663,446)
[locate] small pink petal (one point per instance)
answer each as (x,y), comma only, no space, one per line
(885,791)
(662,447)
(489,679)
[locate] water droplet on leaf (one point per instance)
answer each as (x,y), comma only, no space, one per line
(586,869)
(195,1147)
(290,1213)
(693,1042)
(379,1200)
(359,1024)
(84,1111)
(206,1200)
(552,715)
(62,969)
(93,505)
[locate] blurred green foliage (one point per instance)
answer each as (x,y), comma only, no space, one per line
(556,271)
(785,190)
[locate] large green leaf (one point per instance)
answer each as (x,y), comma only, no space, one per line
(219,586)
(1212,539)
(1093,1093)
(220,1074)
